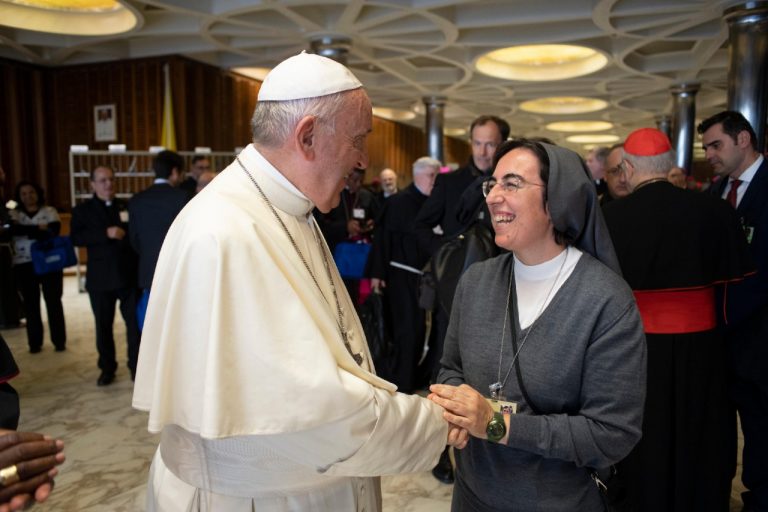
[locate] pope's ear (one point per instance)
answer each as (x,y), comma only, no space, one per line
(304,136)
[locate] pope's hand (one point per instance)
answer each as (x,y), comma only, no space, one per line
(457,437)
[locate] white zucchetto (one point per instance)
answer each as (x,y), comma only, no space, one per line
(306,75)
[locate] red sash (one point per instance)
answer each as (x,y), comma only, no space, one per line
(677,311)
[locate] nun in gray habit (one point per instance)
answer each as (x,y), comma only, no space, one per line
(544,360)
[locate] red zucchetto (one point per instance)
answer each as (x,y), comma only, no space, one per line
(647,142)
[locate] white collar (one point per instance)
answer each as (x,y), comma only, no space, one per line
(749,174)
(281,192)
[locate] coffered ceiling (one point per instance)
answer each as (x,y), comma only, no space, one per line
(404,50)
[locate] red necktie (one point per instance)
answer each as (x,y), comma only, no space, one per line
(733,193)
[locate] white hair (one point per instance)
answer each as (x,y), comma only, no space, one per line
(656,164)
(274,121)
(424,163)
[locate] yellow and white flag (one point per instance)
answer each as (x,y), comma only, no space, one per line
(168,137)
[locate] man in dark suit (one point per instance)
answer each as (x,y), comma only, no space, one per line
(152,212)
(440,209)
(100,224)
(731,148)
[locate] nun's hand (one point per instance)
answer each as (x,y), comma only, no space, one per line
(464,407)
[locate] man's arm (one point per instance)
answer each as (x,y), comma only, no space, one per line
(431,215)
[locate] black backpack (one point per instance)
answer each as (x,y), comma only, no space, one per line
(452,259)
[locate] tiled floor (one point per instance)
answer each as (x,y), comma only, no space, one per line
(107,445)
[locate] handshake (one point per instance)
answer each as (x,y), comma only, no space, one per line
(467,412)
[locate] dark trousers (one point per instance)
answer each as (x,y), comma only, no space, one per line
(751,399)
(103,305)
(9,407)
(29,285)
(408,328)
(10,307)
(748,350)
(686,458)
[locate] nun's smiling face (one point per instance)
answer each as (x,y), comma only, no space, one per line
(520,218)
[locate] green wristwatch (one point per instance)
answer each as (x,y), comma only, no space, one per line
(496,428)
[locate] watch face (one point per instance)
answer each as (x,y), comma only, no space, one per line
(496,429)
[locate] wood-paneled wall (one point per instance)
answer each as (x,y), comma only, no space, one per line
(397,146)
(45,110)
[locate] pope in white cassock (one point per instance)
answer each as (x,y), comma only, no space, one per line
(253,364)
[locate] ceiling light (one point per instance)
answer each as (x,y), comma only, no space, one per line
(394,114)
(251,72)
(597,139)
(72,17)
(70,5)
(455,132)
(579,126)
(541,62)
(563,105)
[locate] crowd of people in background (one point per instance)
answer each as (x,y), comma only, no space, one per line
(611,341)
(121,254)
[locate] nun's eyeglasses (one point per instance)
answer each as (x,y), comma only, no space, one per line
(509,183)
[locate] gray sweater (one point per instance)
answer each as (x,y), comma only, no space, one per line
(583,367)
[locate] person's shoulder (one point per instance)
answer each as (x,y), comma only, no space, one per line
(489,268)
(83,206)
(598,277)
(49,210)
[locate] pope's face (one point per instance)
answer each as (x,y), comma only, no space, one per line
(519,217)
(343,149)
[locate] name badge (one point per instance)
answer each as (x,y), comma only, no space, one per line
(124,216)
(358,213)
(503,406)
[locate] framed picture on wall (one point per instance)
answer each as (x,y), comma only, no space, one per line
(105,121)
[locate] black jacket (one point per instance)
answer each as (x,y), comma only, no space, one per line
(111,263)
(152,212)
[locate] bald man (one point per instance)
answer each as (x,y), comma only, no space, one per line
(388,179)
(100,224)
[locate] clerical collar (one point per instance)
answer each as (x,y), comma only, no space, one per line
(281,192)
(270,169)
(161,180)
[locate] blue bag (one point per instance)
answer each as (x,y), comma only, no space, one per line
(350,258)
(53,255)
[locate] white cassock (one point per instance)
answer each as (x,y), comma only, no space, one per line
(243,369)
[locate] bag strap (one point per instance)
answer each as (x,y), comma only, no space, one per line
(513,317)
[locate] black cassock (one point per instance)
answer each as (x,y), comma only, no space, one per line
(396,241)
(676,248)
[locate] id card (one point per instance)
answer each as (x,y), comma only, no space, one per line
(358,213)
(503,406)
(124,216)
